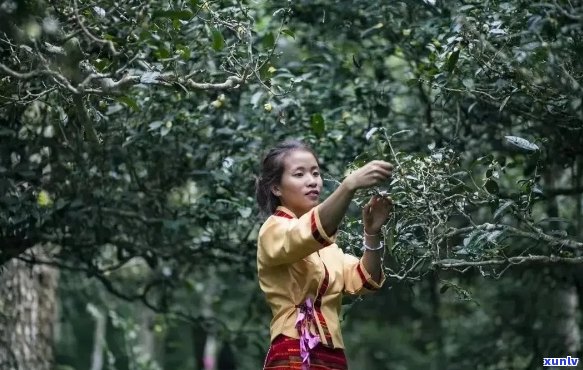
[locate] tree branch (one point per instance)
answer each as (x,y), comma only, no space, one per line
(109,85)
(40,72)
(232,82)
(538,235)
(540,260)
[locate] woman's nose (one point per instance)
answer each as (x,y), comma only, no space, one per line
(312,181)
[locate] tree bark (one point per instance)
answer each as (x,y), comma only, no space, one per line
(567,326)
(199,337)
(564,336)
(440,362)
(98,339)
(28,313)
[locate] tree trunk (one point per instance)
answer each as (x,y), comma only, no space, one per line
(567,326)
(199,337)
(563,334)
(98,338)
(28,313)
(440,362)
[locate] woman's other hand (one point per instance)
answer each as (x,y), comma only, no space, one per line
(375,213)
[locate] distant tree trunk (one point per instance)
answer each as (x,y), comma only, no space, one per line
(210,353)
(98,338)
(579,217)
(564,335)
(226,358)
(567,326)
(440,362)
(199,337)
(28,313)
(147,338)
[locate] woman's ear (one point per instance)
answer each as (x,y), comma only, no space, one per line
(275,190)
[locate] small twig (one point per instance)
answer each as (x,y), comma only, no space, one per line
(40,72)
(109,43)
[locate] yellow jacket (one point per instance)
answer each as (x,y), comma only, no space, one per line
(297,260)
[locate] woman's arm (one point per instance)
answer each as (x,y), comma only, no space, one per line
(372,260)
(333,209)
(374,215)
(291,240)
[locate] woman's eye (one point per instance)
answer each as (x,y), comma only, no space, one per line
(316,174)
(299,174)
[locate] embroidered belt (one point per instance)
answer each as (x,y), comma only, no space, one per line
(308,340)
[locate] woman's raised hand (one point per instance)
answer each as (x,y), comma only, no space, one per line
(333,209)
(375,213)
(371,174)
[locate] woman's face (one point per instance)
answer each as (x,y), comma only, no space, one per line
(301,184)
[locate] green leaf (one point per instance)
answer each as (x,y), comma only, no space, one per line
(399,133)
(60,203)
(482,160)
(413,82)
(218,40)
(101,64)
(492,236)
(474,242)
(183,51)
(64,367)
(129,102)
(318,125)
(522,143)
(190,285)
(264,72)
(162,53)
(149,77)
(356,62)
(174,14)
(491,186)
(504,103)
(443,289)
(452,60)
(245,212)
(289,32)
(155,125)
(165,130)
(468,83)
(268,40)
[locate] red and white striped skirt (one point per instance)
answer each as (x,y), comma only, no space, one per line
(284,354)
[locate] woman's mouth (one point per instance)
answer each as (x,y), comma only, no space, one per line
(314,194)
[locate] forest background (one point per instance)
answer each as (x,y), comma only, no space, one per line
(130,137)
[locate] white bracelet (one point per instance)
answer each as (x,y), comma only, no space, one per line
(367,234)
(366,247)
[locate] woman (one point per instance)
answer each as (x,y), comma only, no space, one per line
(302,272)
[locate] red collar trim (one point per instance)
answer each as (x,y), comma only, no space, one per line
(283,212)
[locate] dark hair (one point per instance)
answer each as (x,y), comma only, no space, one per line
(271,171)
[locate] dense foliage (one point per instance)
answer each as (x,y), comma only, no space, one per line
(130,137)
